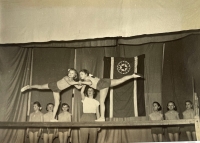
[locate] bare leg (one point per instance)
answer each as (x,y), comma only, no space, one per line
(45,138)
(30,134)
(61,137)
(194,136)
(44,86)
(66,134)
(103,94)
(56,96)
(189,136)
(50,138)
(160,137)
(36,137)
(176,136)
(115,82)
(155,137)
(171,137)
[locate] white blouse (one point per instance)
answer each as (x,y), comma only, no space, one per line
(90,105)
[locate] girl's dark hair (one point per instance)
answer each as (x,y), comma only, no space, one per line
(38,104)
(175,108)
(48,105)
(85,71)
(76,78)
(189,102)
(86,91)
(160,107)
(65,104)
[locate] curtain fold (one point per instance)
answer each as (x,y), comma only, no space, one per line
(14,73)
(51,64)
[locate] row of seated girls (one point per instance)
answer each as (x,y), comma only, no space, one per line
(90,113)
(48,134)
(172,114)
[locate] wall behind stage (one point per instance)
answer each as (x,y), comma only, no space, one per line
(40,21)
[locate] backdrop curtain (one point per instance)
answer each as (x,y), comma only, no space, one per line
(92,59)
(14,73)
(51,64)
(181,66)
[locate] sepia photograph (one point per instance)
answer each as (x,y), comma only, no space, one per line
(98,71)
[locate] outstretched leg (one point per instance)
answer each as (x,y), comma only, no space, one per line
(103,94)
(56,96)
(115,82)
(44,86)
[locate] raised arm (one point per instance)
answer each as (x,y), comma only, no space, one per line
(97,112)
(82,92)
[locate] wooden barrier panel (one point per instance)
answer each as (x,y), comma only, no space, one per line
(96,124)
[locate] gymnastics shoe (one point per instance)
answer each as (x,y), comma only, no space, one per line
(140,75)
(25,88)
(100,120)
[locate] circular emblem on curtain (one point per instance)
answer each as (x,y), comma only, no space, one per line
(123,67)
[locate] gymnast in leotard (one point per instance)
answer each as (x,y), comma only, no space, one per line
(57,87)
(36,116)
(49,133)
(64,116)
(102,85)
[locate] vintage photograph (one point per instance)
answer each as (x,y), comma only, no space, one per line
(97,71)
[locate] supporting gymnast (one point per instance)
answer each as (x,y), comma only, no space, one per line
(57,87)
(102,85)
(90,113)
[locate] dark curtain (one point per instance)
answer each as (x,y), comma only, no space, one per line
(92,59)
(50,64)
(181,65)
(14,73)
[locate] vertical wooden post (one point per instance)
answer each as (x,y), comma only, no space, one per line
(111,89)
(30,83)
(135,88)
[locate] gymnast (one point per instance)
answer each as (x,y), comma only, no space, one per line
(102,85)
(57,87)
(49,133)
(189,114)
(172,114)
(64,116)
(156,132)
(36,116)
(90,113)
